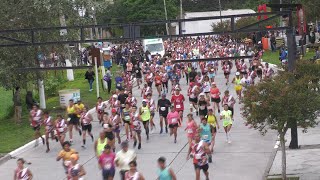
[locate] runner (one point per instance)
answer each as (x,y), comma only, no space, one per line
(206,86)
(108,129)
(122,99)
(199,151)
(158,82)
(75,170)
(133,174)
(173,119)
(229,100)
(131,100)
(215,97)
(136,126)
(212,121)
(86,119)
(177,100)
(238,86)
(123,158)
(65,155)
(191,128)
(35,122)
(164,80)
(163,109)
(193,93)
(79,107)
(145,115)
(203,104)
(22,172)
(116,123)
(226,71)
(138,75)
(267,71)
(206,132)
(126,119)
(165,172)
(226,116)
(49,128)
(106,163)
(100,107)
(73,120)
(99,144)
(151,105)
(246,81)
(61,129)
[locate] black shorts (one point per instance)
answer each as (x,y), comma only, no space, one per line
(194,100)
(74,120)
(231,109)
(226,74)
(145,122)
(37,128)
(216,100)
(126,122)
(203,112)
(152,114)
(173,125)
(214,129)
(87,127)
(106,173)
(163,115)
(204,168)
(150,84)
(109,135)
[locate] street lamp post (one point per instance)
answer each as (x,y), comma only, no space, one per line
(166,15)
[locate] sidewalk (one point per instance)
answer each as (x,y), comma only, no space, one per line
(303,162)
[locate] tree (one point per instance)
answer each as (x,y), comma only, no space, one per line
(126,11)
(288,97)
(34,14)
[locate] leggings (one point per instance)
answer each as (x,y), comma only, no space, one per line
(165,85)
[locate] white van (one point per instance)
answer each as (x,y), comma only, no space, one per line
(154,46)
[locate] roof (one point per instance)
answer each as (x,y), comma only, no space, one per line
(217,13)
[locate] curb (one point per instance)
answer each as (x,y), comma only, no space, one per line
(5,158)
(270,161)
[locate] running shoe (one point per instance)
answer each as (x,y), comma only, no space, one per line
(166,130)
(175,141)
(139,146)
(80,132)
(161,131)
(134,144)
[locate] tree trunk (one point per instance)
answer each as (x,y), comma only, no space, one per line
(284,160)
(294,136)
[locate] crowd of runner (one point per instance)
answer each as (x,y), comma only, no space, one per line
(156,76)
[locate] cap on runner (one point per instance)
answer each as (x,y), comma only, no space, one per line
(237,74)
(113,110)
(115,96)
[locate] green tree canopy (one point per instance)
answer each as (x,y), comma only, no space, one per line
(288,97)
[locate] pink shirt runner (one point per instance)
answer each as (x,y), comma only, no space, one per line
(173,117)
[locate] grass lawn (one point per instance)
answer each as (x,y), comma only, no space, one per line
(273,57)
(6,103)
(14,136)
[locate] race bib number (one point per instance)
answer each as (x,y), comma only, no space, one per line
(163,108)
(68,119)
(178,106)
(61,129)
(127,118)
(107,166)
(190,131)
(174,120)
(137,71)
(205,137)
(198,156)
(158,82)
(202,107)
(118,85)
(123,105)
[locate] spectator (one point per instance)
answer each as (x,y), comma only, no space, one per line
(90,77)
(29,100)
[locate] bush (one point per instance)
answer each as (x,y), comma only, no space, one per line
(52,84)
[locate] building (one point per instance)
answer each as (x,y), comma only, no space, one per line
(204,26)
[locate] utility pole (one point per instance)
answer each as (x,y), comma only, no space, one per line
(220,11)
(166,15)
(181,14)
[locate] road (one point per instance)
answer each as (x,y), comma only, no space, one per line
(245,159)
